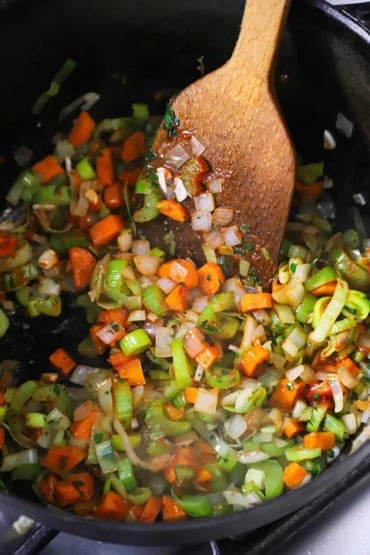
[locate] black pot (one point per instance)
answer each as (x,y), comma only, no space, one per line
(138,50)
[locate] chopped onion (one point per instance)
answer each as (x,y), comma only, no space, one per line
(163,339)
(178,156)
(48,259)
(140,247)
(124,240)
(162,174)
(200,303)
(206,401)
(235,426)
(232,236)
(215,185)
(81,372)
(293,373)
(250,457)
(293,294)
(137,316)
(308,374)
(349,420)
(213,239)
(86,101)
(223,216)
(147,265)
(201,221)
(108,333)
(204,202)
(237,499)
(337,392)
(64,149)
(194,342)
(347,378)
(249,329)
(285,313)
(166,284)
(48,286)
(196,146)
(198,374)
(180,190)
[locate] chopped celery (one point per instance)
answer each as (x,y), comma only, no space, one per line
(85,169)
(153,300)
(182,366)
(135,342)
(123,403)
(159,425)
(301,453)
(126,474)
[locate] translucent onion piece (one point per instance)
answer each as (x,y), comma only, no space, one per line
(223,216)
(178,156)
(232,236)
(124,240)
(146,264)
(235,426)
(140,247)
(250,457)
(196,146)
(201,221)
(204,202)
(163,338)
(180,190)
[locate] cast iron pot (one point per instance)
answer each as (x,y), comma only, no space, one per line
(140,50)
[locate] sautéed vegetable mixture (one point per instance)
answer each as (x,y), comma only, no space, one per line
(211,394)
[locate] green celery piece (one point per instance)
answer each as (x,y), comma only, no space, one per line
(152,196)
(222,378)
(182,365)
(357,276)
(208,320)
(22,394)
(305,309)
(140,111)
(23,188)
(158,447)
(219,480)
(123,404)
(332,424)
(105,455)
(159,425)
(171,389)
(153,300)
(51,194)
(63,242)
(228,327)
(4,323)
(274,485)
(113,275)
(309,173)
(251,445)
(301,453)
(35,420)
(13,280)
(359,302)
(85,169)
(196,506)
(126,474)
(317,416)
(49,306)
(273,449)
(322,276)
(139,496)
(66,69)
(223,301)
(28,471)
(184,473)
(135,342)
(134,439)
(254,400)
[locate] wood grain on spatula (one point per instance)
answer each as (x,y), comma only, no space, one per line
(233,112)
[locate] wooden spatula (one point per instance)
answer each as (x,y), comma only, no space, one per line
(233,112)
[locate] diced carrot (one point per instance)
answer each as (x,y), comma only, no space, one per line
(294,474)
(94,146)
(255,301)
(66,494)
(210,278)
(47,487)
(8,244)
(132,371)
(2,399)
(104,167)
(191,394)
(112,506)
(173,209)
(205,447)
(151,509)
(209,355)
(349,365)
(84,508)
(2,438)
(119,359)
(47,168)
(309,192)
(135,511)
(172,412)
(171,510)
(203,475)
(129,175)
(133,147)
(62,458)
(82,428)
(180,271)
(323,440)
(115,315)
(112,196)
(100,347)
(106,230)
(84,482)
(252,359)
(177,300)
(325,289)
(184,455)
(292,427)
(82,129)
(82,263)
(62,361)
(83,409)
(286,394)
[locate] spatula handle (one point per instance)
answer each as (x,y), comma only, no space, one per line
(261,27)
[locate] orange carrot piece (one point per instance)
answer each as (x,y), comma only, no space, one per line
(129,175)
(100,347)
(116,315)
(113,197)
(191,394)
(132,371)
(47,168)
(171,510)
(323,440)
(209,355)
(180,271)
(292,427)
(184,455)
(112,506)
(119,359)
(106,230)
(66,494)
(82,129)
(133,147)
(203,475)
(310,192)
(173,209)
(62,361)
(62,458)
(2,439)
(2,399)
(210,278)
(294,474)
(286,394)
(325,289)
(151,509)
(104,167)
(47,487)
(84,482)
(177,300)
(172,412)
(82,263)
(82,428)
(252,359)
(255,301)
